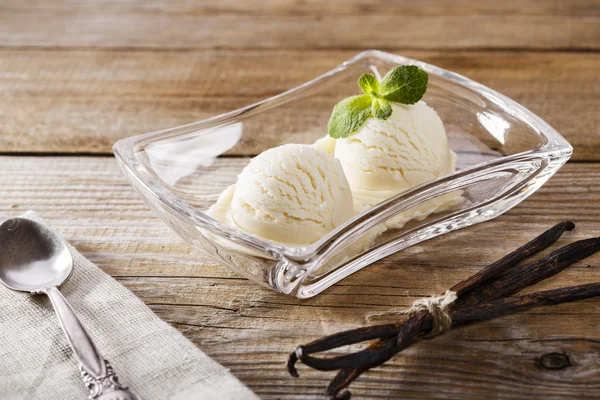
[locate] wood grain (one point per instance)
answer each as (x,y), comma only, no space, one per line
(83,101)
(250,329)
(75,76)
(338,24)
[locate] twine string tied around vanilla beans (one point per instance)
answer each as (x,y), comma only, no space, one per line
(437,307)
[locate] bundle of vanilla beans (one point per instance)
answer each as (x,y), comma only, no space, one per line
(490,293)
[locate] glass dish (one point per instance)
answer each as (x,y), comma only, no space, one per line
(505,153)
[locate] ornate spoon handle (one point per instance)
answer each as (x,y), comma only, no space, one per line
(96,372)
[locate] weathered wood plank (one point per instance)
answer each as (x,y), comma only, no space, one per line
(334,7)
(250,329)
(286,24)
(83,101)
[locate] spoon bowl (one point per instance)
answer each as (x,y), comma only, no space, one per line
(32,257)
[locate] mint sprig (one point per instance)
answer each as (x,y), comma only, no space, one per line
(405,84)
(381,108)
(348,115)
(369,84)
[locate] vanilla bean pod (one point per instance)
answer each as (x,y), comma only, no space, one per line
(492,271)
(529,249)
(340,339)
(487,294)
(516,279)
(506,305)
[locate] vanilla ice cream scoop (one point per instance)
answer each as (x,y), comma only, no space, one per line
(292,194)
(386,157)
(405,150)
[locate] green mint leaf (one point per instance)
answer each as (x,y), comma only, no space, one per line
(405,84)
(369,84)
(381,109)
(348,115)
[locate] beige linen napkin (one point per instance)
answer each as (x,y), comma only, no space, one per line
(148,355)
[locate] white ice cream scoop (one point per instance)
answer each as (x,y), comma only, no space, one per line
(407,149)
(386,157)
(293,194)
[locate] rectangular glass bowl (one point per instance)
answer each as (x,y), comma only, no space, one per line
(505,153)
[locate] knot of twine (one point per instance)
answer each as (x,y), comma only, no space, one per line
(437,307)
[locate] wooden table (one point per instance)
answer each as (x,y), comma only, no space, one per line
(76,76)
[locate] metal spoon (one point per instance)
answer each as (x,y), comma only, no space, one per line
(33,259)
